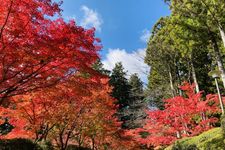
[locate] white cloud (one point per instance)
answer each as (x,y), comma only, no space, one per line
(145,35)
(91,18)
(73,17)
(132,62)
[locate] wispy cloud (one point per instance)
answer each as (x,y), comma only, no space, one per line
(145,35)
(91,18)
(73,17)
(132,62)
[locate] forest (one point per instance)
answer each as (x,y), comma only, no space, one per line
(55,93)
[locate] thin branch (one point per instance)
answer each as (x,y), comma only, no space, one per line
(6,20)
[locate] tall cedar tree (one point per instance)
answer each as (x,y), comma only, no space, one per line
(175,54)
(137,105)
(121,92)
(130,97)
(98,66)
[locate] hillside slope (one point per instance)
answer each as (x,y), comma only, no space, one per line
(210,140)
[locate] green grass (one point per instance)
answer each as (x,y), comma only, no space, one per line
(210,140)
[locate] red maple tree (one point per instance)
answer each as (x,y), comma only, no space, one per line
(183,116)
(79,111)
(37,51)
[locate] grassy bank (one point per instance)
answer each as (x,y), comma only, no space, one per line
(210,140)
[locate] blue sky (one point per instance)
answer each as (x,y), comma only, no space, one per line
(122,25)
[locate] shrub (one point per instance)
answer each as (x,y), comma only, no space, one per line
(179,146)
(18,144)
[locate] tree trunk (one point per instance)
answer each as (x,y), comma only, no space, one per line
(93,144)
(67,139)
(61,141)
(219,95)
(186,129)
(178,78)
(218,58)
(171,83)
(178,135)
(189,73)
(194,77)
(221,68)
(203,115)
(222,34)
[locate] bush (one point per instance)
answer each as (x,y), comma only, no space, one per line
(18,144)
(179,146)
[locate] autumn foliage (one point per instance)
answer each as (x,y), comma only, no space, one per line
(50,92)
(37,51)
(79,112)
(48,89)
(183,116)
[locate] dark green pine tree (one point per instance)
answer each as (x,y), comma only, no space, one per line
(137,104)
(121,92)
(136,87)
(98,66)
(121,87)
(130,97)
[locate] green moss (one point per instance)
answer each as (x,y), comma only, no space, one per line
(223,125)
(210,140)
